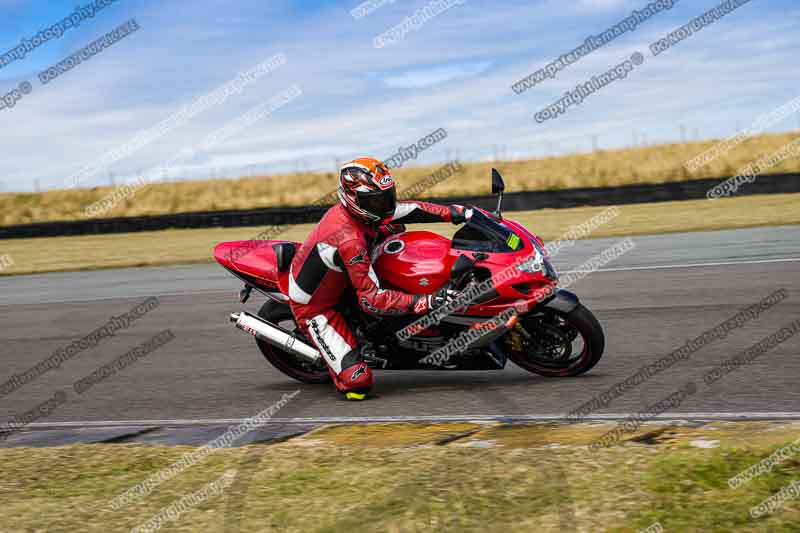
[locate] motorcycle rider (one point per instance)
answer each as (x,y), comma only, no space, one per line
(337,254)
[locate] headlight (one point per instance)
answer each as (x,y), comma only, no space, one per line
(533,265)
(539,263)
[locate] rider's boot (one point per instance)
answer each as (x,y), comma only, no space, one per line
(355,381)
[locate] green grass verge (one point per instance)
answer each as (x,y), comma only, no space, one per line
(327,488)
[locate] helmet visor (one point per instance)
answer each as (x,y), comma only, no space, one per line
(378,203)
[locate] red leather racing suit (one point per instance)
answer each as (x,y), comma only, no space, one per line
(336,255)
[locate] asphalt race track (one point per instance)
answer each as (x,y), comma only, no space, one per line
(667,290)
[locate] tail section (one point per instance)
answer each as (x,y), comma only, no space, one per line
(255,262)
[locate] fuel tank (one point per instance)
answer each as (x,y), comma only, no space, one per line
(415,261)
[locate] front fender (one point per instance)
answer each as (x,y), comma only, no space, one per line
(562,301)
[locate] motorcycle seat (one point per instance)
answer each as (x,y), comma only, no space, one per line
(284,253)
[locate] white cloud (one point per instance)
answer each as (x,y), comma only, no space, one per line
(414,79)
(455,73)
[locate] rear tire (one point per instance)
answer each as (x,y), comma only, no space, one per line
(588,328)
(289,364)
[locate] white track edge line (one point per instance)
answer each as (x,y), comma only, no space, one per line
(455,418)
(688,265)
(619,269)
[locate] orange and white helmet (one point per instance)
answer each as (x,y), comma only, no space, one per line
(366,189)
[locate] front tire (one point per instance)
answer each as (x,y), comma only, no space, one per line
(288,363)
(579,323)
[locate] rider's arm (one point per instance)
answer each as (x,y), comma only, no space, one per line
(411,212)
(354,258)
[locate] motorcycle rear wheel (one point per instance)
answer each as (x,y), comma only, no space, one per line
(578,323)
(286,362)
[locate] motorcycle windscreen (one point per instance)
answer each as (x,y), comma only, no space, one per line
(485,234)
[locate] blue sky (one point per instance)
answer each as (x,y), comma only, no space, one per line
(453,72)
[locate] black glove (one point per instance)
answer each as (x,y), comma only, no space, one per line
(425,303)
(441,298)
(460,214)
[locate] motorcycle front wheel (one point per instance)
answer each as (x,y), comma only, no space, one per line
(556,344)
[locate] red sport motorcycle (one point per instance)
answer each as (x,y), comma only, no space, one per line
(544,329)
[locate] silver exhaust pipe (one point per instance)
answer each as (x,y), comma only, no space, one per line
(274,335)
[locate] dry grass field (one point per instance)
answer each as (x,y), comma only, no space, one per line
(650,164)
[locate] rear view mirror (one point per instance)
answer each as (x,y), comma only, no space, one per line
(498,185)
(497,188)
